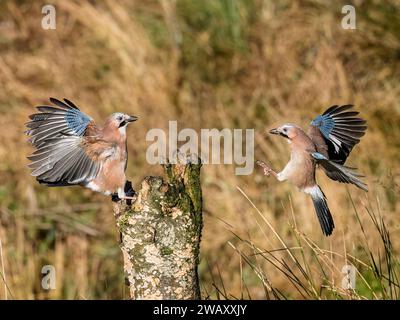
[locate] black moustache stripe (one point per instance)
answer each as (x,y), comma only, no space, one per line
(122,123)
(283,135)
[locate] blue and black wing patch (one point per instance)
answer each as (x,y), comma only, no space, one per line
(341,130)
(64,118)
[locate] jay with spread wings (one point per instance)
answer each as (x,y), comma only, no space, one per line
(327,144)
(72,150)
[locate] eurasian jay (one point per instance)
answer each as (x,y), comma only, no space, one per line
(327,144)
(72,150)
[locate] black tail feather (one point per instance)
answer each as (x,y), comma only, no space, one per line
(322,210)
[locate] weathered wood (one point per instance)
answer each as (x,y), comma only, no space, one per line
(160,235)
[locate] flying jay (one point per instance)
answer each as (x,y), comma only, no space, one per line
(327,144)
(71,149)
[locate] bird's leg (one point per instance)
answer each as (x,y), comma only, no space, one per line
(126,193)
(126,198)
(128,190)
(267,170)
(114,197)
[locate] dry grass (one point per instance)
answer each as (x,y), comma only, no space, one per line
(233,64)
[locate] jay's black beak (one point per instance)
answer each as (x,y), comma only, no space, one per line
(127,120)
(274,131)
(131,119)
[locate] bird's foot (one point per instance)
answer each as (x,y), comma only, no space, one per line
(127,194)
(116,198)
(267,170)
(127,198)
(128,189)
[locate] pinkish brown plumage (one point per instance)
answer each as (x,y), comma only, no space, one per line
(329,141)
(72,150)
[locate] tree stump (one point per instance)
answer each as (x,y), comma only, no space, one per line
(160,235)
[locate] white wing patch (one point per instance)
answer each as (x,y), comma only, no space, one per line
(336,143)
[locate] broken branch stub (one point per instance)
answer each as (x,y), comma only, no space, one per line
(160,235)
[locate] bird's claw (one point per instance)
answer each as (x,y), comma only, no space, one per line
(116,198)
(128,194)
(267,170)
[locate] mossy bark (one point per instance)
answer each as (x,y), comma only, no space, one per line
(160,235)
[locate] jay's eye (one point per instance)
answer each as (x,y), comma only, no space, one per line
(119,118)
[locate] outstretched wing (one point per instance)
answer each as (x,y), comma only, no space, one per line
(63,161)
(54,121)
(63,155)
(336,132)
(338,172)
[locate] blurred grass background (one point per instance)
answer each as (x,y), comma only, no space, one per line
(222,64)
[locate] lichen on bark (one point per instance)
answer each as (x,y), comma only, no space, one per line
(160,235)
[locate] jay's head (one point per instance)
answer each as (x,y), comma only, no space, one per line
(288,131)
(120,120)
